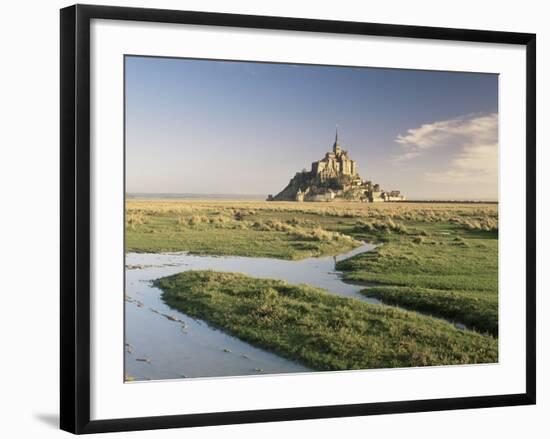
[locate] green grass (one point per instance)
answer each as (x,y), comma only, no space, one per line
(475,310)
(441,269)
(263,234)
(320,330)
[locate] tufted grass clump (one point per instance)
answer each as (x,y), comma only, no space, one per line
(484,223)
(194,220)
(273,225)
(386,225)
(135,218)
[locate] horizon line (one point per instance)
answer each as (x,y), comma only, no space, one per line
(198,195)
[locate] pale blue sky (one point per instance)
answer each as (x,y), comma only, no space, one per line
(199,126)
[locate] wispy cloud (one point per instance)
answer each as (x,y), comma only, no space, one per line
(475,138)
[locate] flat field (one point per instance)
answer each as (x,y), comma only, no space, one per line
(435,261)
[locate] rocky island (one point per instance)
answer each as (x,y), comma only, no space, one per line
(334,177)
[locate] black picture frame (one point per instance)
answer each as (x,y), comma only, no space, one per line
(75,217)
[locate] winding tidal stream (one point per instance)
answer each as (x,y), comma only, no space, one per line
(162,343)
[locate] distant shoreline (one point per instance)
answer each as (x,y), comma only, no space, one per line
(146,196)
(448,201)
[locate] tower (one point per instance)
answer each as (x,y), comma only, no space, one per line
(336,147)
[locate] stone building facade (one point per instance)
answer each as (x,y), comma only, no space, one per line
(335,163)
(334,177)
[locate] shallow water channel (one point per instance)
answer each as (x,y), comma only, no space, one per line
(162,343)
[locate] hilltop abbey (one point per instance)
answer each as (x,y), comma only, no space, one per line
(333,177)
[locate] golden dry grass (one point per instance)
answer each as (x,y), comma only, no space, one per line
(474,215)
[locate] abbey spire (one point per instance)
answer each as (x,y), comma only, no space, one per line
(336,147)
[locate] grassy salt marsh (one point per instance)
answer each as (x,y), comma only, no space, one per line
(435,260)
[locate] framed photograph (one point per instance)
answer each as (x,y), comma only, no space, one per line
(268,218)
